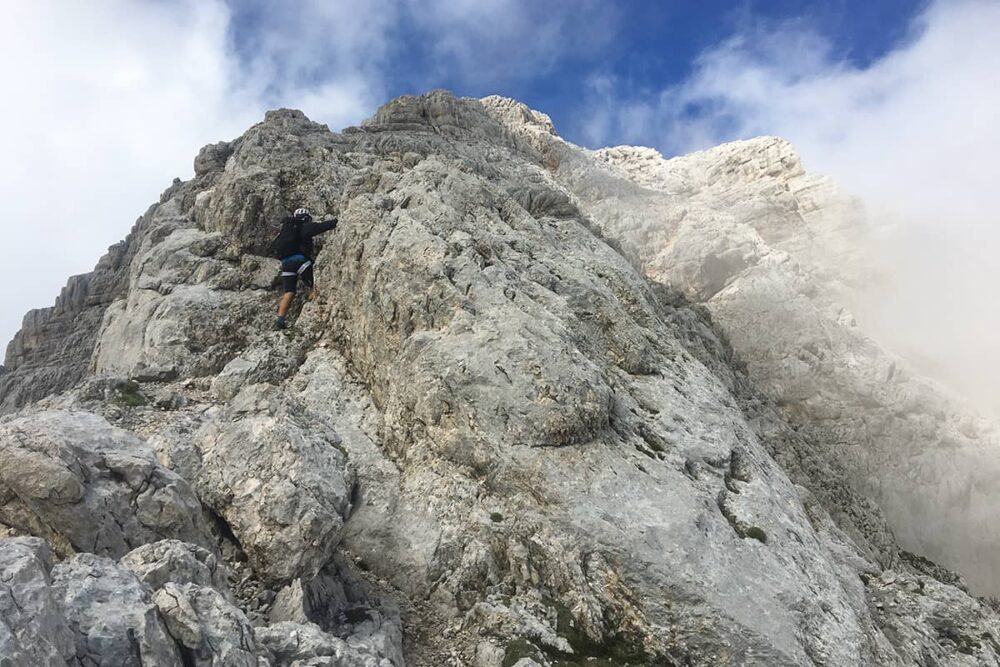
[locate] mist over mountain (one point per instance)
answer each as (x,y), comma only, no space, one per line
(547,406)
(911,132)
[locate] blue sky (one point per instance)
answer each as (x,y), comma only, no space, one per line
(646,45)
(896,100)
(654,45)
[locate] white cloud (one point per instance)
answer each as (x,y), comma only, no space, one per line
(916,134)
(491,41)
(322,49)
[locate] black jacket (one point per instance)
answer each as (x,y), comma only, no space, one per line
(296,237)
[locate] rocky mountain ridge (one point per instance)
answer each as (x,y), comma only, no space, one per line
(535,414)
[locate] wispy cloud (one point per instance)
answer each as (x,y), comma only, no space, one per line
(97,120)
(915,133)
(497,40)
(335,54)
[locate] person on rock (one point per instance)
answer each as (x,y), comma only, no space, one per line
(294,247)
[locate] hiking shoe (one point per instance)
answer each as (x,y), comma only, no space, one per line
(279,323)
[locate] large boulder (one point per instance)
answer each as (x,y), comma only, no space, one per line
(86,486)
(275,474)
(190,589)
(112,614)
(210,630)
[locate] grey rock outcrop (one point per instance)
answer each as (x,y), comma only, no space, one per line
(90,610)
(32,628)
(190,590)
(86,486)
(172,561)
(301,645)
(337,599)
(52,351)
(501,414)
(271,360)
(210,630)
(112,614)
(279,480)
(167,325)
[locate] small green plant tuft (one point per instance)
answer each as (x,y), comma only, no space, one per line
(518,649)
(127,393)
(496,517)
(757,533)
(610,652)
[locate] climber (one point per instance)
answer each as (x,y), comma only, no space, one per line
(294,247)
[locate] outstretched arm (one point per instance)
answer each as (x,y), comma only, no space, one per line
(315,228)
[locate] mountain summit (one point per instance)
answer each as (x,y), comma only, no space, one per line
(547,407)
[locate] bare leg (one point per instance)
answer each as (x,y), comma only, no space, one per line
(285,303)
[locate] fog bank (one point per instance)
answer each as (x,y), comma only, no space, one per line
(914,133)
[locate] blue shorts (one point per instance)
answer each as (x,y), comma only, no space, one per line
(293,268)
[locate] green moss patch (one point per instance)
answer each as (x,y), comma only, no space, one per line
(613,652)
(518,649)
(128,394)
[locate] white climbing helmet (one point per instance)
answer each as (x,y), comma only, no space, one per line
(302,213)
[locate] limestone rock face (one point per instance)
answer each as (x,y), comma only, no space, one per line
(282,486)
(172,561)
(777,255)
(111,614)
(33,630)
(206,625)
(300,645)
(86,486)
(92,610)
(363,619)
(190,591)
(540,411)
(52,351)
(168,325)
